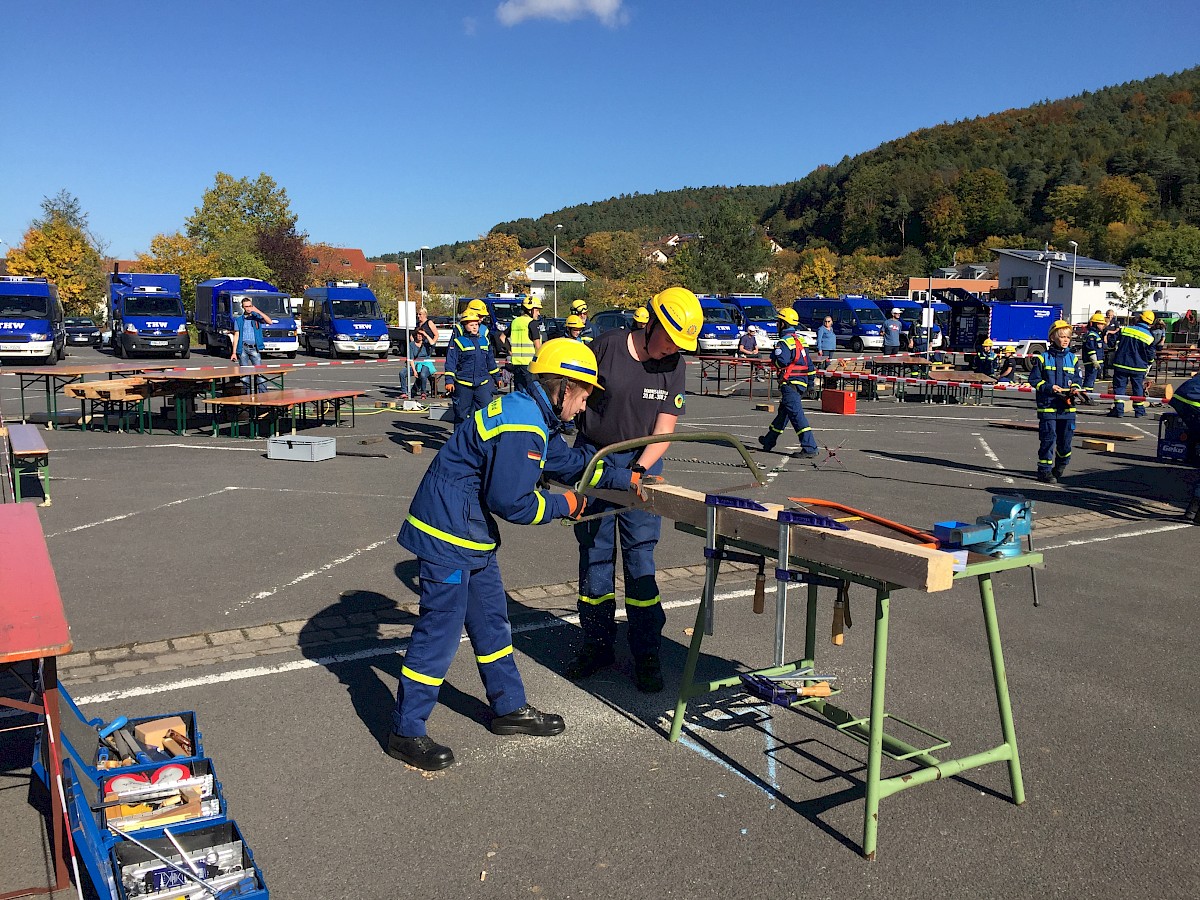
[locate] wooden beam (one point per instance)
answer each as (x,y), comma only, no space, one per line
(1096,444)
(1101,433)
(883,558)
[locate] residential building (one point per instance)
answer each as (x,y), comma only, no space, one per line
(544,270)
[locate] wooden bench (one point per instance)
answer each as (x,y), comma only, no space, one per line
(276,403)
(122,396)
(28,455)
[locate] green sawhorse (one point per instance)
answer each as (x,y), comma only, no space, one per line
(871,729)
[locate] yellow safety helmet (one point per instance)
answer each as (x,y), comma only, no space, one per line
(579,306)
(571,359)
(678,311)
(988,342)
(478,307)
(574,322)
(788,316)
(1097,318)
(468,315)
(1148,316)
(641,315)
(1056,326)
(532,302)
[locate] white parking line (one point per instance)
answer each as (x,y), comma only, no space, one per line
(1116,537)
(262,595)
(991,454)
(138,512)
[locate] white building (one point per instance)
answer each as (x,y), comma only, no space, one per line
(544,271)
(1079,284)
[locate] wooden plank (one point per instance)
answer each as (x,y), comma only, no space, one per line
(1095,444)
(1079,432)
(413,447)
(765,407)
(883,558)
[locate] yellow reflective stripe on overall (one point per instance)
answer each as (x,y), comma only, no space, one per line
(417,676)
(492,657)
(596,601)
(1142,336)
(599,471)
(446,536)
(540,515)
(1194,403)
(488,433)
(629,601)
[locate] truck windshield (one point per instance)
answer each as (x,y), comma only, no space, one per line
(717,315)
(153,306)
(870,314)
(759,312)
(356,309)
(24,307)
(506,311)
(273,306)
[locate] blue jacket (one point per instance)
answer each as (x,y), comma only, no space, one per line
(791,359)
(491,465)
(1189,392)
(1135,351)
(257,321)
(986,362)
(1093,346)
(826,340)
(1055,368)
(470,361)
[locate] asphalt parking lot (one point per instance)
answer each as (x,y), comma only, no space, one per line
(271,598)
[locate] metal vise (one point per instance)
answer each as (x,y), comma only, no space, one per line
(997,534)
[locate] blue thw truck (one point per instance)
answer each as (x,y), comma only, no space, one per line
(1017,328)
(31,320)
(344,318)
(146,314)
(219,299)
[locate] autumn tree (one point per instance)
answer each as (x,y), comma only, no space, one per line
(613,254)
(179,254)
(818,273)
(59,247)
(242,222)
(495,263)
(286,254)
(1121,200)
(872,276)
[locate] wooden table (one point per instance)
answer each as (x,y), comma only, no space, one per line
(34,632)
(962,386)
(291,400)
(187,384)
(757,369)
(56,377)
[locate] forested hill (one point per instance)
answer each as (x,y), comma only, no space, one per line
(1099,168)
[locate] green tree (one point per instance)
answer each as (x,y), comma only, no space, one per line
(1136,291)
(1168,250)
(729,252)
(232,215)
(1121,200)
(944,224)
(612,254)
(818,273)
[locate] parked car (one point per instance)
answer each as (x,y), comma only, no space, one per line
(82,330)
(553,328)
(445,327)
(610,319)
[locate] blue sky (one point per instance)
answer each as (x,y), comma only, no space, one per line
(397,124)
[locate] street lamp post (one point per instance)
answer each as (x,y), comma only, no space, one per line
(557,229)
(1074,260)
(421,269)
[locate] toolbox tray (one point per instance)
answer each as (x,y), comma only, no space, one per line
(129,862)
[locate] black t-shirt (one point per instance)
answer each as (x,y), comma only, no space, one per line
(535,330)
(634,392)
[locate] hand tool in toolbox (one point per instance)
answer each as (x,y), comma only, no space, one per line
(225,886)
(783,694)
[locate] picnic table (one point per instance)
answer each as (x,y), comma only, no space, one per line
(723,369)
(275,404)
(33,634)
(54,378)
(185,385)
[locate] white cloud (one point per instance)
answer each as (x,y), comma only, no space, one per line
(514,12)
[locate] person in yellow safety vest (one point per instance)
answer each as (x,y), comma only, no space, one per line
(587,333)
(643,378)
(524,340)
(574,326)
(489,469)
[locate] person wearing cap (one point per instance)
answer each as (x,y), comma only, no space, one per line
(643,379)
(524,339)
(792,367)
(470,369)
(1135,353)
(1055,376)
(748,344)
(490,467)
(893,328)
(1093,350)
(579,308)
(985,359)
(574,326)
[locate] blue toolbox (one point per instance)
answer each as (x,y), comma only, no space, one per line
(1175,444)
(147,811)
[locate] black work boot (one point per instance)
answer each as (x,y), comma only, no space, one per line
(1047,478)
(423,752)
(1057,472)
(647,673)
(590,659)
(1192,513)
(528,720)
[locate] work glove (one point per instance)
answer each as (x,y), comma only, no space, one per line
(576,503)
(638,481)
(449,388)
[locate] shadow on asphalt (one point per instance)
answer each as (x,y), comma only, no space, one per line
(432,435)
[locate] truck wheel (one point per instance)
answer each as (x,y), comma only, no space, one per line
(333,351)
(856,345)
(383,356)
(118,349)
(291,354)
(186,352)
(309,349)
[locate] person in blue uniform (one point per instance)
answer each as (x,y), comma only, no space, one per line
(587,332)
(1093,350)
(644,394)
(1055,376)
(470,369)
(986,361)
(490,467)
(792,367)
(1135,353)
(1186,402)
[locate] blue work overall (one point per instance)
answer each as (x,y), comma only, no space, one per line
(791,360)
(1056,411)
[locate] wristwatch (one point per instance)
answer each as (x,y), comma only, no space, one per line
(639,468)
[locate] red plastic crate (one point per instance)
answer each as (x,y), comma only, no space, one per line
(842,402)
